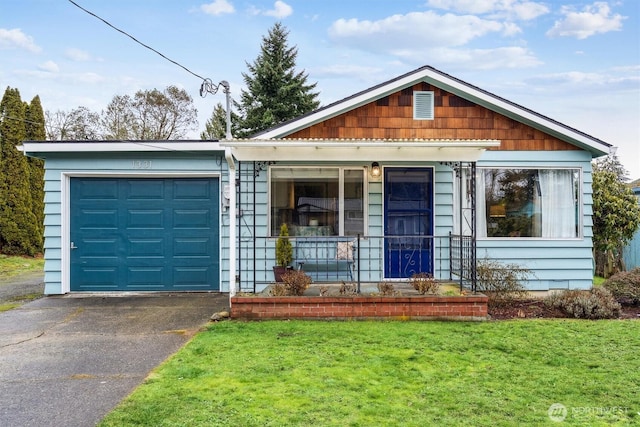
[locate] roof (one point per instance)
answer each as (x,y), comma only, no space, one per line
(452,85)
(39,148)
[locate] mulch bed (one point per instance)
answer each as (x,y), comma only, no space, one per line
(535,309)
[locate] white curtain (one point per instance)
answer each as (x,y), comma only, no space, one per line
(557,203)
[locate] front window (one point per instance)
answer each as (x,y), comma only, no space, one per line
(528,203)
(318,201)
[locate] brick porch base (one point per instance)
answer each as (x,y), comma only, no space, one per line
(468,307)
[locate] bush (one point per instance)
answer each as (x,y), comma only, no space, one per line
(295,282)
(424,283)
(625,286)
(386,288)
(596,303)
(348,289)
(284,250)
(278,290)
(502,283)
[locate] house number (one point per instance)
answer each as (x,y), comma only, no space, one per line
(142,164)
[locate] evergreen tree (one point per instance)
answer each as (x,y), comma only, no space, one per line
(216,125)
(35,131)
(616,215)
(18,232)
(275,91)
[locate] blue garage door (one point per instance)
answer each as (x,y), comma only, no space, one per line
(133,234)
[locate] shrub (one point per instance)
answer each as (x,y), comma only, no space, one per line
(348,289)
(284,250)
(278,290)
(386,288)
(596,303)
(502,283)
(295,282)
(424,283)
(625,286)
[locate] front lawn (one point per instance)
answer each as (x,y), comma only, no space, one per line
(11,266)
(297,373)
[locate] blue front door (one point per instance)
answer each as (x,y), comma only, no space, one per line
(408,221)
(139,234)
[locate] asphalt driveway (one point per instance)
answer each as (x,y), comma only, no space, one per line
(68,360)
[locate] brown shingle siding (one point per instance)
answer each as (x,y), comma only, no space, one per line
(391,117)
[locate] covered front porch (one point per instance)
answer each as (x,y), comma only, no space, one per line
(358,212)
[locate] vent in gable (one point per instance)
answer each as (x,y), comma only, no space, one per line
(423,105)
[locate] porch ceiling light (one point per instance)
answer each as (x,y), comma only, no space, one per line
(375,169)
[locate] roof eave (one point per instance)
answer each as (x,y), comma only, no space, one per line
(41,148)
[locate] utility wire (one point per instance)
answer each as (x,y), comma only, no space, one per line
(137,41)
(22,120)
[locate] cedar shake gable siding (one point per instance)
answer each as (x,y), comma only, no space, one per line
(391,117)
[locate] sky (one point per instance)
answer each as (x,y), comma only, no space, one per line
(575,61)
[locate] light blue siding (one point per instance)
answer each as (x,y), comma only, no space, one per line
(631,252)
(555,263)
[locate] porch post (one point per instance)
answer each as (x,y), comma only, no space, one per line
(232,222)
(473,260)
(459,175)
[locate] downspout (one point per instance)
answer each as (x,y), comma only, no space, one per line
(232,222)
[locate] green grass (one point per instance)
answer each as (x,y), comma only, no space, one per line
(298,373)
(597,280)
(11,266)
(18,301)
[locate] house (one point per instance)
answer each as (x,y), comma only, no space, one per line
(422,173)
(631,253)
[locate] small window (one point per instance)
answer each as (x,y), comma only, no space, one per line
(423,105)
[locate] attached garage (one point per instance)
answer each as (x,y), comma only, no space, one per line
(144,234)
(134,216)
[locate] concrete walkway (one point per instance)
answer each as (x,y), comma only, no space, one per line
(68,360)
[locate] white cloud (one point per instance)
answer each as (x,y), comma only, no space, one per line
(345,70)
(15,38)
(414,30)
(49,66)
(280,10)
(514,9)
(482,59)
(593,19)
(217,7)
(619,78)
(77,55)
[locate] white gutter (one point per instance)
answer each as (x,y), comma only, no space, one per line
(232,223)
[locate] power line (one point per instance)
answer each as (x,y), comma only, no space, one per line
(137,41)
(22,120)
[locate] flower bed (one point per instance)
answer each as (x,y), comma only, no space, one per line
(434,307)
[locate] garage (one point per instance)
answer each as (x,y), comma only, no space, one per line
(144,234)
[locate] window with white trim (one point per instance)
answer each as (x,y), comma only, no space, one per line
(543,203)
(538,203)
(316,201)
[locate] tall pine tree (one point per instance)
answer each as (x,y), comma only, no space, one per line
(18,232)
(35,131)
(216,125)
(275,91)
